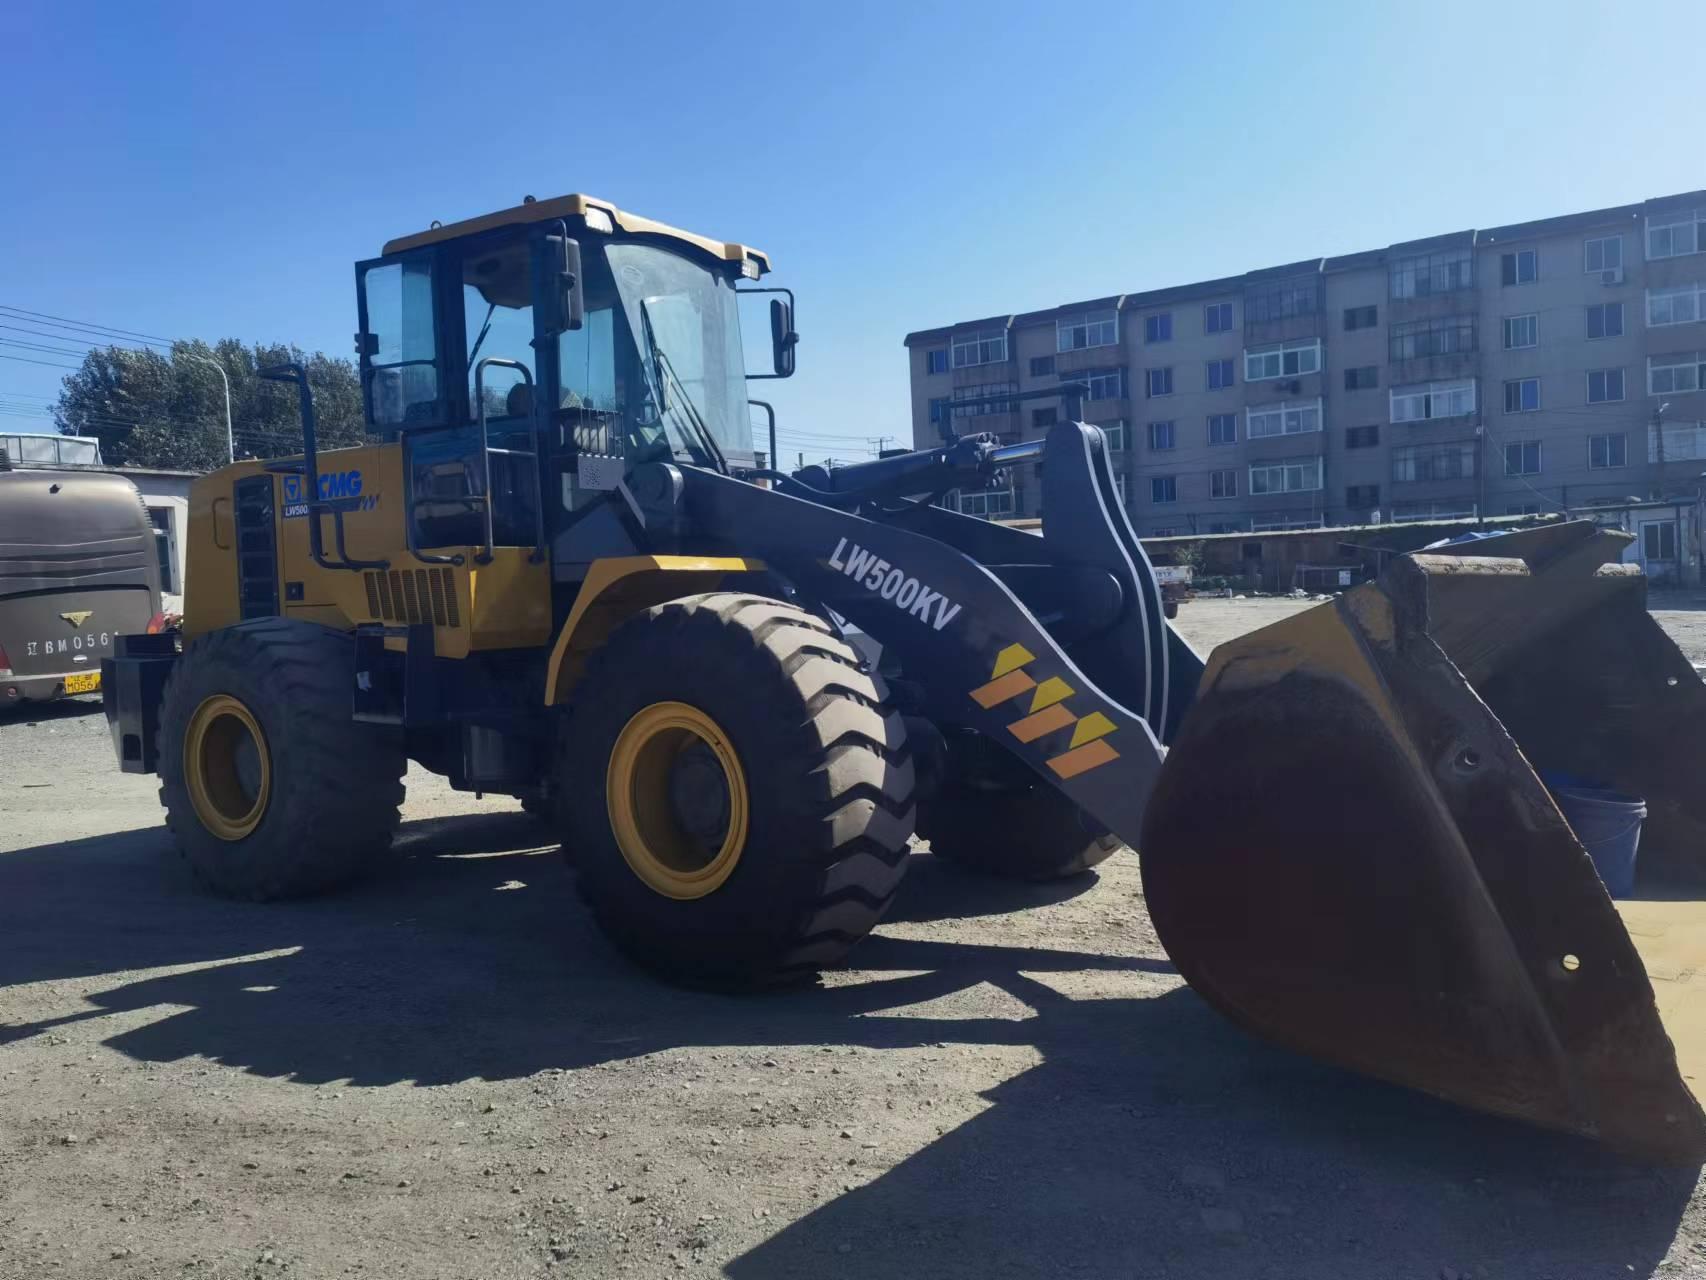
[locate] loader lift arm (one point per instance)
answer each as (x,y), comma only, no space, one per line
(964,630)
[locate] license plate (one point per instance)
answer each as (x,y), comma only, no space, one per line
(88,682)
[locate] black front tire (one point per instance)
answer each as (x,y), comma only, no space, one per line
(334,786)
(828,779)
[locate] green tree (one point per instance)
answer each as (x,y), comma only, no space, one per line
(153,409)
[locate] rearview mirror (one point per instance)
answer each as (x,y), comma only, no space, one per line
(783,339)
(564,297)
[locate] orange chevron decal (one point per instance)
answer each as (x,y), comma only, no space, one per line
(1047,720)
(999,690)
(1082,759)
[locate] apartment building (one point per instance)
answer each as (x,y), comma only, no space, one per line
(1538,367)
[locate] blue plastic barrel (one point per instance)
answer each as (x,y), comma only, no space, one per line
(1608,823)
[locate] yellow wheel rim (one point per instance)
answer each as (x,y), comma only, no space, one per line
(676,857)
(227,767)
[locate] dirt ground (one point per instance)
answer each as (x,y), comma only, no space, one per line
(447,1073)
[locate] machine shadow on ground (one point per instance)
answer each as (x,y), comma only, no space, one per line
(30,713)
(1152,1138)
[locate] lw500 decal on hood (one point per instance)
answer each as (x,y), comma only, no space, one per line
(896,585)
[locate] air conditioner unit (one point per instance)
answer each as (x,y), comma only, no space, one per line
(1612,275)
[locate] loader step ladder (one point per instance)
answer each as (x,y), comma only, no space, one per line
(257,547)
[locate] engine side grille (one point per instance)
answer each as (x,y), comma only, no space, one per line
(414,596)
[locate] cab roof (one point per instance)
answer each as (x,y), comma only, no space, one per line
(578,207)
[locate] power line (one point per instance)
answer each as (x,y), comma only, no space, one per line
(67,322)
(108,344)
(37,346)
(49,363)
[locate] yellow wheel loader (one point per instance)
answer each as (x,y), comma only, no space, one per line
(565,574)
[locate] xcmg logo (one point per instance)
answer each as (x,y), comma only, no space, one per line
(340,488)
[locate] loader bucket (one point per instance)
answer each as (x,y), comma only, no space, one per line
(1350,849)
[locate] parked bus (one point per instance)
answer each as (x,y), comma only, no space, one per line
(78,567)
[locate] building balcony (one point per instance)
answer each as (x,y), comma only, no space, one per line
(1435,368)
(1086,359)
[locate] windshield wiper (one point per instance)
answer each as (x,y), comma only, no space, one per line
(486,328)
(662,369)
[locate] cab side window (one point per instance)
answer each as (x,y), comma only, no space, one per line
(401,363)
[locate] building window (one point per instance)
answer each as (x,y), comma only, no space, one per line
(1220,375)
(1521,267)
(1105,384)
(1442,509)
(1522,331)
(1608,451)
(1282,300)
(936,361)
(1282,360)
(1362,497)
(938,406)
(1605,385)
(1223,428)
(1288,418)
(1042,366)
(1605,320)
(1217,317)
(1294,475)
(1433,462)
(1227,526)
(1523,509)
(1669,375)
(1678,235)
(1158,382)
(983,391)
(1425,275)
(1162,531)
(1362,378)
(1361,317)
(1223,483)
(1522,458)
(1160,435)
(992,504)
(1362,437)
(1604,254)
(1443,336)
(1093,329)
(1684,304)
(986,347)
(1158,328)
(1428,400)
(1658,540)
(1115,434)
(1163,488)
(1041,418)
(1119,488)
(1522,395)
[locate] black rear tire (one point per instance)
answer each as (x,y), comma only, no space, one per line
(827,782)
(992,816)
(330,804)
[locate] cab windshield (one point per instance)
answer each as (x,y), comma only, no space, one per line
(685,323)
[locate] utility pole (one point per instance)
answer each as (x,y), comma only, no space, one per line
(230,440)
(1659,438)
(878,443)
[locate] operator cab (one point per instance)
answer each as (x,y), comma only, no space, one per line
(529,359)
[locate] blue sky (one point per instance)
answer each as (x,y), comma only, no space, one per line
(203,170)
